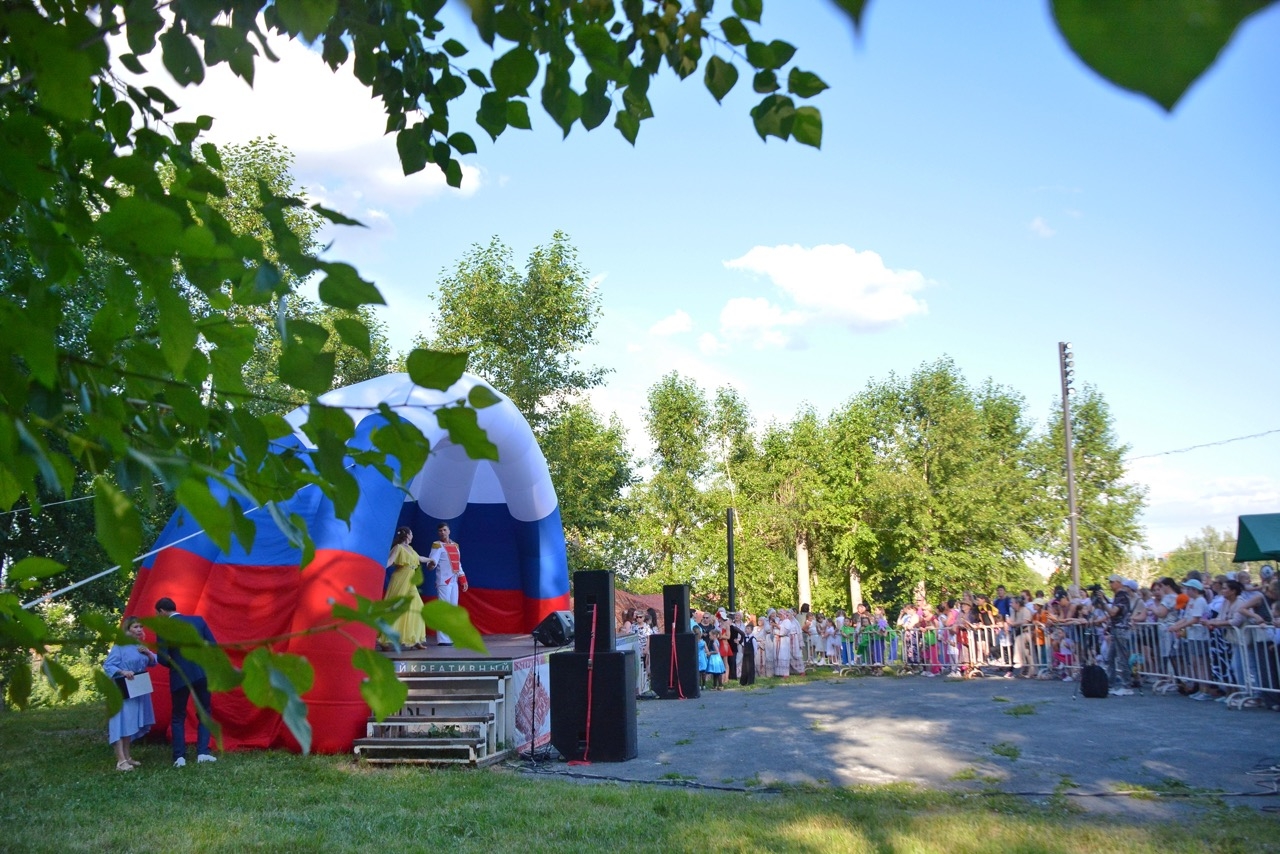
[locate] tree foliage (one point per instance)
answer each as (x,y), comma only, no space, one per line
(522,330)
(919,480)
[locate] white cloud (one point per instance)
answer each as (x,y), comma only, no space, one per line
(758,321)
(1181,502)
(673,324)
(826,284)
(1040,228)
(327,119)
(709,344)
(635,348)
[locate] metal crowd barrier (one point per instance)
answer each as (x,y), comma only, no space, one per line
(1241,664)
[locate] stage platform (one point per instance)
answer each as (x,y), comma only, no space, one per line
(513,672)
(498,649)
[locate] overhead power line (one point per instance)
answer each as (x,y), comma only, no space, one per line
(1205,445)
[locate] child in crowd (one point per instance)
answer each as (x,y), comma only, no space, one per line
(701,645)
(1064,655)
(715,661)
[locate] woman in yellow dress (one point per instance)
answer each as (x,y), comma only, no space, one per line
(404,582)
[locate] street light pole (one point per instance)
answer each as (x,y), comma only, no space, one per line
(1066,367)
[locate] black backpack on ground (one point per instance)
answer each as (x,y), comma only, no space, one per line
(1093,681)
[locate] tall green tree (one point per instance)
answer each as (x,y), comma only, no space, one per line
(946,491)
(672,500)
(1209,552)
(592,469)
(1108,506)
(523,329)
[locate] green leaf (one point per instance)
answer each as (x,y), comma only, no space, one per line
(208,512)
(116,522)
(306,367)
(1153,48)
(464,430)
(855,9)
(477,77)
(106,686)
(18,677)
(405,443)
(773,117)
(720,77)
(437,369)
(454,48)
(308,17)
(136,225)
(765,82)
(480,397)
(773,55)
(462,143)
(411,144)
(32,568)
(492,115)
(354,333)
(335,217)
(217,666)
(735,32)
(132,63)
(59,677)
(277,681)
(514,71)
(518,115)
(804,84)
(178,330)
(806,128)
(749,9)
(454,622)
(343,288)
(627,124)
(181,59)
(382,689)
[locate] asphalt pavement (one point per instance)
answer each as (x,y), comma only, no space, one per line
(1031,737)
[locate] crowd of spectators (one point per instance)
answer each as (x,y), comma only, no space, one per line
(1204,636)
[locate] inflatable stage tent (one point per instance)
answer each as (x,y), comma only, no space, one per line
(503,514)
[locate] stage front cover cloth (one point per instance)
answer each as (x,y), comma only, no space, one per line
(503,514)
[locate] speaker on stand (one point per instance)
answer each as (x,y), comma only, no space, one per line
(673,655)
(593,688)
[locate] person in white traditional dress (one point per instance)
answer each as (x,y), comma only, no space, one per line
(768,643)
(796,635)
(136,715)
(781,645)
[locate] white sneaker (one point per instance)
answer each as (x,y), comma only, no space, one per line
(955,674)
(206,757)
(180,762)
(1121,692)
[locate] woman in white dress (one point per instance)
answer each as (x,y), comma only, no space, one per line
(782,646)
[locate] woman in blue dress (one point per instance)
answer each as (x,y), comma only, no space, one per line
(134,720)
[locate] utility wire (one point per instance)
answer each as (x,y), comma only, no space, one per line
(1205,445)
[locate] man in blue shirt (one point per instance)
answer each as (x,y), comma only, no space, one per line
(186,678)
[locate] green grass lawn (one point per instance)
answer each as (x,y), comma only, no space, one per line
(59,791)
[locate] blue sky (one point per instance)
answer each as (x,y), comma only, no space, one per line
(979,194)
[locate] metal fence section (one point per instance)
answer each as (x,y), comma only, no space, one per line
(1240,665)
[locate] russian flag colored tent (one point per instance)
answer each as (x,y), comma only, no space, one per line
(503,514)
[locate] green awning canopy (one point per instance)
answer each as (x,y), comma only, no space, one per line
(1259,538)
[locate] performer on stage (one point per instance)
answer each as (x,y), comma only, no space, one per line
(450,579)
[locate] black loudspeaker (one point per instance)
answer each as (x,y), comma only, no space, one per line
(555,630)
(675,600)
(673,680)
(611,680)
(593,587)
